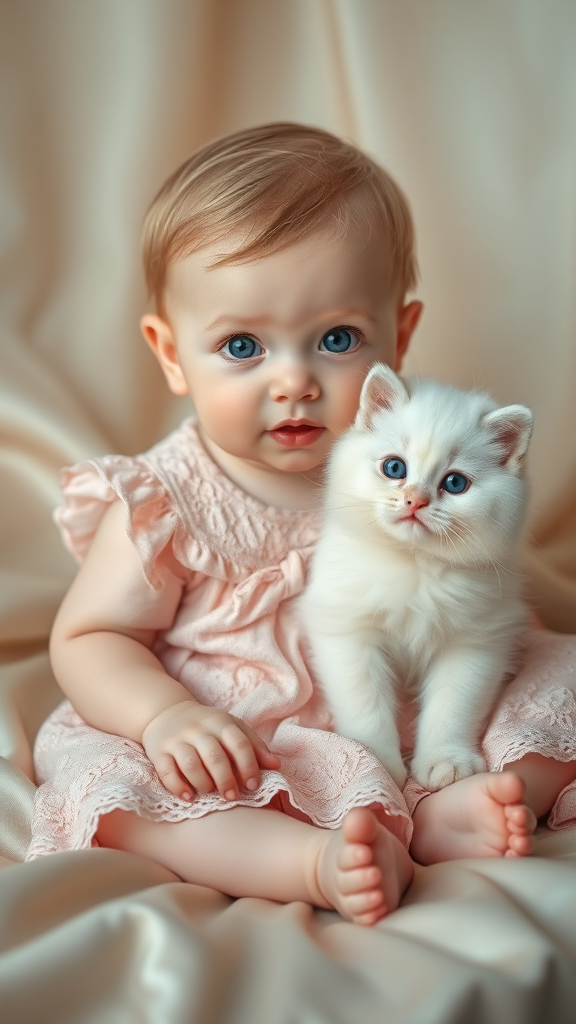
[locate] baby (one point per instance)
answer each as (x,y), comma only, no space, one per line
(280,261)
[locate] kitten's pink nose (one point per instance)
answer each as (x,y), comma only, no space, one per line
(415,500)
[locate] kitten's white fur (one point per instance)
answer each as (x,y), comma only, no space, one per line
(431,607)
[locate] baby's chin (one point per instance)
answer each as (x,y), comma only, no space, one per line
(312,467)
(317,473)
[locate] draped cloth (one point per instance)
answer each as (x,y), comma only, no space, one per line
(471,107)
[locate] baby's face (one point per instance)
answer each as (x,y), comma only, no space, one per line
(274,353)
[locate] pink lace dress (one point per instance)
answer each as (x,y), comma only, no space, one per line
(237,643)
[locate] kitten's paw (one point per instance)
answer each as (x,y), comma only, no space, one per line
(447,767)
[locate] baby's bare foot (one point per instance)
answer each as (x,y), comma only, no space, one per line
(362,869)
(480,816)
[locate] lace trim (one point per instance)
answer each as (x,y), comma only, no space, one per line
(548,727)
(49,839)
(91,773)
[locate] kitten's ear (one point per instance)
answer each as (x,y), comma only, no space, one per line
(382,389)
(511,429)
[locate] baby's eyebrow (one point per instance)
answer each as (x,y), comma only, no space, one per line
(233,319)
(341,315)
(332,316)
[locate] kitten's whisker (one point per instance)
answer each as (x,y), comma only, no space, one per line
(352,504)
(502,566)
(494,520)
(453,527)
(532,538)
(444,533)
(489,556)
(366,525)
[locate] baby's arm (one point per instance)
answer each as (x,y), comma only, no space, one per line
(101,655)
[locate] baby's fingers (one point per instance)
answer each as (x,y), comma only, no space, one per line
(249,753)
(239,746)
(217,763)
(170,777)
(265,758)
(193,770)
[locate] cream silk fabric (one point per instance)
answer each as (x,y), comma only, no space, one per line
(471,106)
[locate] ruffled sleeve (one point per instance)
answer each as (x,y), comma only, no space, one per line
(90,487)
(176,494)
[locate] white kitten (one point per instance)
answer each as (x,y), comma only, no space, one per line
(413,585)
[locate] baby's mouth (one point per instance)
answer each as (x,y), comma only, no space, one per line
(296,434)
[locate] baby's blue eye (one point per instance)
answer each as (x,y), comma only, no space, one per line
(394,468)
(339,340)
(241,346)
(455,483)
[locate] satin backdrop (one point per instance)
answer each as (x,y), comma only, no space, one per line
(471,107)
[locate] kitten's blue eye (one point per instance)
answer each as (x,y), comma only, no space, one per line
(241,346)
(339,340)
(394,468)
(455,483)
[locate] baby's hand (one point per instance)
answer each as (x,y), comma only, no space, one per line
(199,748)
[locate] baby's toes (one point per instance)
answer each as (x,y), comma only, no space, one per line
(372,917)
(520,846)
(354,855)
(521,819)
(360,880)
(366,907)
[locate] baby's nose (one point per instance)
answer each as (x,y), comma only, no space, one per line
(295,384)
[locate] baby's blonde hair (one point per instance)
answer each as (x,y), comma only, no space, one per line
(273,185)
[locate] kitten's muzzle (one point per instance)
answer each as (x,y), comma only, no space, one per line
(415,499)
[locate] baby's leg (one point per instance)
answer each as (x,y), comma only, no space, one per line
(361,870)
(544,778)
(483,815)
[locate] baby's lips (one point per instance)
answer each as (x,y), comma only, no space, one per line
(296,436)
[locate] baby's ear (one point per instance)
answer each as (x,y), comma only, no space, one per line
(158,333)
(510,429)
(382,389)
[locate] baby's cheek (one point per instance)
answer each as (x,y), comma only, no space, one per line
(223,417)
(221,411)
(348,405)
